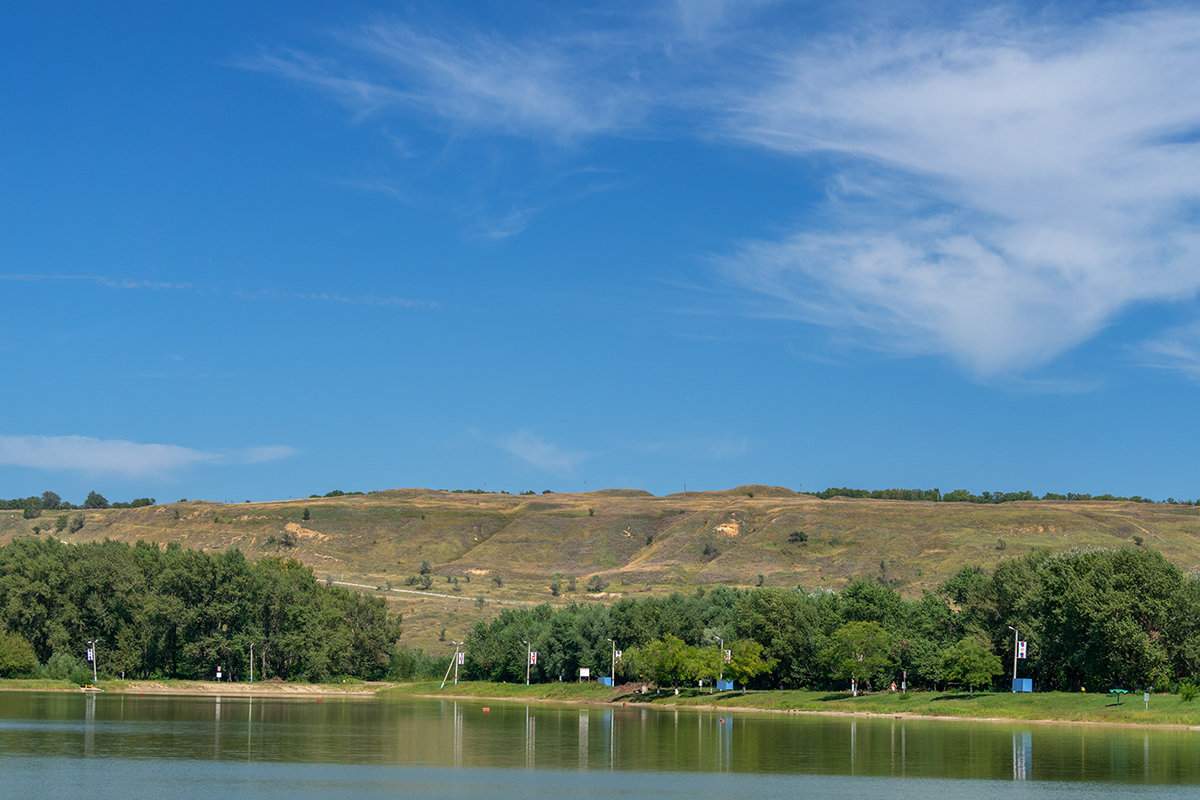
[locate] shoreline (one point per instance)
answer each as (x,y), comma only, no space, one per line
(388,690)
(908,717)
(209,688)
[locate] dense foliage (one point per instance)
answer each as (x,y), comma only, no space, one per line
(986,498)
(183,613)
(1097,618)
(50,501)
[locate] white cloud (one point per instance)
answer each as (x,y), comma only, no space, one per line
(1015,187)
(265,453)
(1004,189)
(120,457)
(561,87)
(536,451)
(1176,349)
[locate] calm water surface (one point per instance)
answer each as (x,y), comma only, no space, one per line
(143,746)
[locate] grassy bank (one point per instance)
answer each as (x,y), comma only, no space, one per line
(1164,709)
(37,685)
(565,692)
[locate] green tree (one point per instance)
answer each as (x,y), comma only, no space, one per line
(747,662)
(668,660)
(860,650)
(785,623)
(969,662)
(95,500)
(17,659)
(51,501)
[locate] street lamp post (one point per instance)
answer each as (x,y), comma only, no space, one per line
(613,679)
(528,650)
(252,662)
(92,652)
(721,660)
(1016,647)
(454,663)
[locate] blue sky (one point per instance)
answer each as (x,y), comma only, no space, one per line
(258,252)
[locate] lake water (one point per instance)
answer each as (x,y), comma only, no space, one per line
(144,746)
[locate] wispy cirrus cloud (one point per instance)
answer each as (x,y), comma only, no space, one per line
(121,457)
(540,453)
(1012,187)
(1004,184)
(566,86)
(1177,349)
(100,280)
(379,301)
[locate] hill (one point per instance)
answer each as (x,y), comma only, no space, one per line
(485,550)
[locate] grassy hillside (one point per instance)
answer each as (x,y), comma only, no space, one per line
(508,548)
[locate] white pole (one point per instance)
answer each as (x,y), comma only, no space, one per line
(252,662)
(456,645)
(528,650)
(92,646)
(721,661)
(1016,647)
(452,663)
(613,679)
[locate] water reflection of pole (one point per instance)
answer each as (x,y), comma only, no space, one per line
(726,740)
(1022,755)
(89,731)
(249,724)
(217,729)
(852,734)
(458,735)
(612,745)
(583,739)
(530,720)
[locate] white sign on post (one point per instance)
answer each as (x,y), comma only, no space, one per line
(585,672)
(1021,649)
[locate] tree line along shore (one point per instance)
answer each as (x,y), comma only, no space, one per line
(1092,619)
